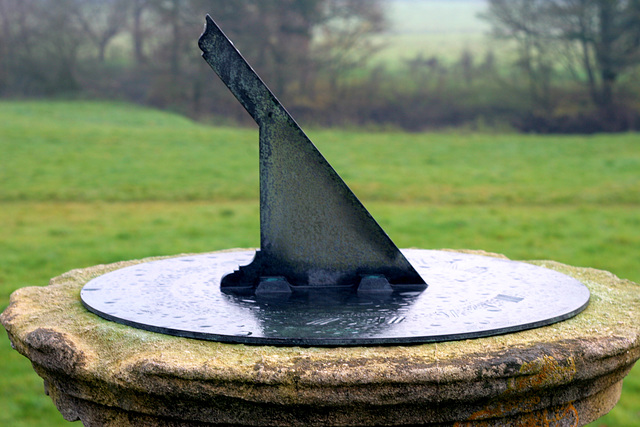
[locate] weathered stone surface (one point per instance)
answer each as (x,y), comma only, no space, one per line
(104,373)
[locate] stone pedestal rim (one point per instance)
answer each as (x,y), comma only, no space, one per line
(86,358)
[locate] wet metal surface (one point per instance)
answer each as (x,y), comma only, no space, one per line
(469,296)
(313,230)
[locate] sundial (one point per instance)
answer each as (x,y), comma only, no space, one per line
(326,274)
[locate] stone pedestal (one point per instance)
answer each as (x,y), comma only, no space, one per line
(103,373)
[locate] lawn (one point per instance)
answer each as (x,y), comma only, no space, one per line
(83,183)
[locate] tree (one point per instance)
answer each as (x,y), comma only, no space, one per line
(604,36)
(284,40)
(101,21)
(344,41)
(54,46)
(288,41)
(606,33)
(526,23)
(138,33)
(42,42)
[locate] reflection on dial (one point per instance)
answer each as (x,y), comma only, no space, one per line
(469,296)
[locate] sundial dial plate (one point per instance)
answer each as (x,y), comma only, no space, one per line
(469,296)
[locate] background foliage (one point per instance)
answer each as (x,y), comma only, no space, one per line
(546,66)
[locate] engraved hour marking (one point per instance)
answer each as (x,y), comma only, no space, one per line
(508,298)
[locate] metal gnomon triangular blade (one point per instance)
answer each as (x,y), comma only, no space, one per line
(314,232)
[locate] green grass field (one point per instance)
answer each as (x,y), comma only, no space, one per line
(85,183)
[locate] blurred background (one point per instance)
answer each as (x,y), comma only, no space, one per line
(502,125)
(561,66)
